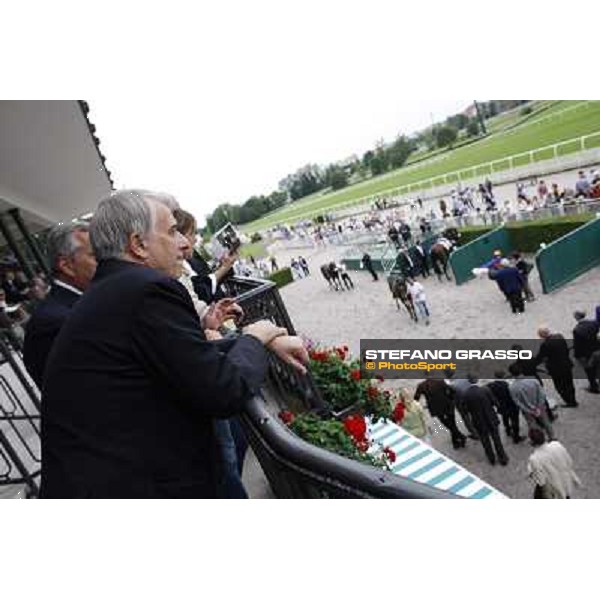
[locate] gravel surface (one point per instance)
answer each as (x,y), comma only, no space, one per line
(474,310)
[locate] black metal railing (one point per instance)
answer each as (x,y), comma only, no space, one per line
(293,467)
(20,453)
(297,469)
(260,299)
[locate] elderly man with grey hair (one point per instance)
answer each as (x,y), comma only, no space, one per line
(132,387)
(73,265)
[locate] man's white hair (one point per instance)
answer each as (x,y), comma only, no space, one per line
(119,215)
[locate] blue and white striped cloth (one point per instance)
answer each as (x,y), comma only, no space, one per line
(420,462)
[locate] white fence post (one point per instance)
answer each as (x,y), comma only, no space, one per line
(489,166)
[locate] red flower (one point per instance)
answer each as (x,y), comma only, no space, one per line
(372,392)
(318,355)
(287,417)
(345,349)
(363,445)
(356,426)
(398,413)
(355,374)
(391,455)
(341,352)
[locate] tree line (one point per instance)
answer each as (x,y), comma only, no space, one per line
(313,178)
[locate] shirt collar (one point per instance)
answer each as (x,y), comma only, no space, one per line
(189,270)
(66,286)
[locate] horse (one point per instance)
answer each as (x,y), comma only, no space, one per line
(399,289)
(440,252)
(332,276)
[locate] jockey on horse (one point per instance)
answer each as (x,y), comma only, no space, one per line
(440,252)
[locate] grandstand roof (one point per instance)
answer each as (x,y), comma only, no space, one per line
(51,167)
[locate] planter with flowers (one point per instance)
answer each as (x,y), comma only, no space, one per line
(352,400)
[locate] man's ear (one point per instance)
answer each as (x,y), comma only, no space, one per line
(65,266)
(137,246)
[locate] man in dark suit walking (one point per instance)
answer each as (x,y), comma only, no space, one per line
(420,258)
(439,397)
(585,343)
(479,402)
(132,385)
(73,265)
(506,406)
(554,352)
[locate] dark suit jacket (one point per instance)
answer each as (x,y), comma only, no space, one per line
(555,353)
(480,404)
(43,327)
(131,390)
(438,395)
(509,279)
(585,338)
(502,397)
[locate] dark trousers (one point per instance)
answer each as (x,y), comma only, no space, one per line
(372,271)
(233,446)
(466,418)
(592,379)
(516,302)
(240,441)
(449,421)
(563,382)
(511,424)
(489,435)
(527,289)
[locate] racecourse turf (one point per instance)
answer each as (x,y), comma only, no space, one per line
(548,124)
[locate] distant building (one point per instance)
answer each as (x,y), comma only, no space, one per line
(471,111)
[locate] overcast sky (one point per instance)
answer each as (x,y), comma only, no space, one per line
(216,102)
(223,147)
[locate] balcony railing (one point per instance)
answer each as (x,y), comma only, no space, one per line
(295,468)
(20,457)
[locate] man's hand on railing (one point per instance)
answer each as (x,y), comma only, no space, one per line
(221,311)
(264,331)
(290,349)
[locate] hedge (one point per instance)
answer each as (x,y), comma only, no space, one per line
(468,234)
(282,277)
(526,236)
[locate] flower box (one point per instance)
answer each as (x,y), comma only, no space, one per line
(367,428)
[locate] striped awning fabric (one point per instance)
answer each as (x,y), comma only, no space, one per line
(420,462)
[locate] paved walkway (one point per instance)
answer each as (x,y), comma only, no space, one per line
(474,310)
